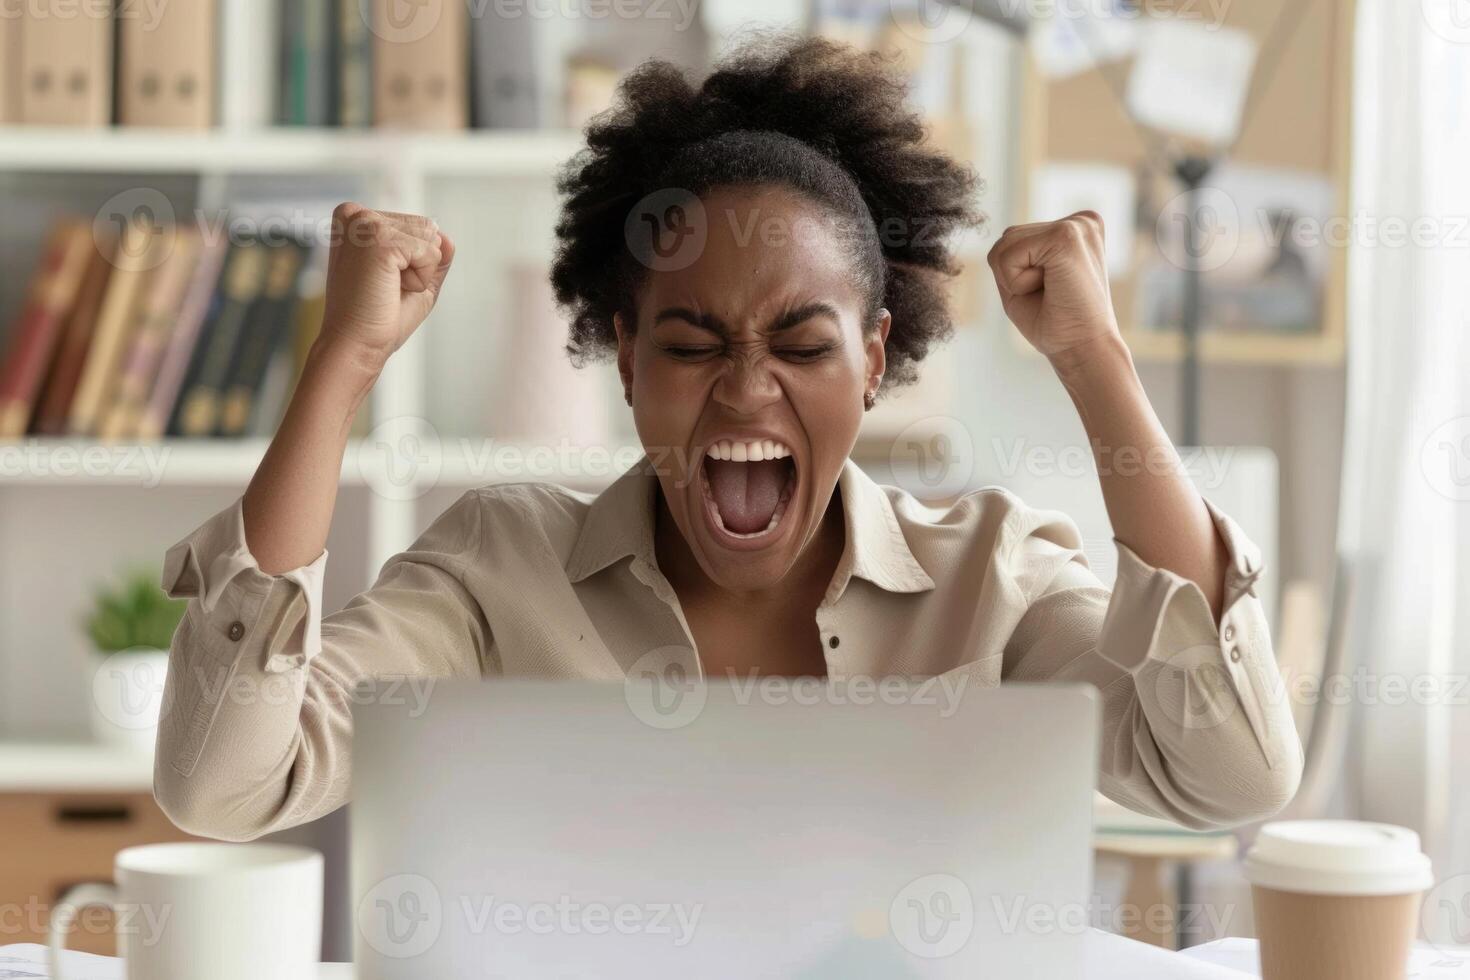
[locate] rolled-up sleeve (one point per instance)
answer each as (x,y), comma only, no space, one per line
(214,563)
(255,733)
(1196,723)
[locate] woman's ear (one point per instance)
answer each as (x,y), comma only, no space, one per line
(625,355)
(875,351)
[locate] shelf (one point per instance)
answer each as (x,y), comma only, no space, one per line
(476,153)
(218,462)
(1239,348)
(83,767)
(174,462)
(1266,349)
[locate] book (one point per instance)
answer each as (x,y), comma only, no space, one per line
(284,373)
(142,248)
(156,316)
(194,311)
(421,66)
(54,405)
(198,411)
(307,80)
(506,83)
(248,60)
(54,287)
(9,70)
(354,65)
(271,399)
(311,308)
(166,66)
(265,333)
(66,66)
(290,48)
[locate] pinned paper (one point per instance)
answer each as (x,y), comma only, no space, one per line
(1191,80)
(1060,189)
(1073,41)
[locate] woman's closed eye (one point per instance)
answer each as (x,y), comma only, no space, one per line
(804,352)
(796,353)
(692,352)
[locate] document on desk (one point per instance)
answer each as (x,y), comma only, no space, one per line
(30,960)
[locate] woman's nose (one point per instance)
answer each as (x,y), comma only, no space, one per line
(746,385)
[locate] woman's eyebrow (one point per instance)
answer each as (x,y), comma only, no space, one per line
(801,314)
(707,321)
(704,321)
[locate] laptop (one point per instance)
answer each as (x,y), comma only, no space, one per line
(787,828)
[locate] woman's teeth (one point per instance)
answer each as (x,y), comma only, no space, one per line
(748,452)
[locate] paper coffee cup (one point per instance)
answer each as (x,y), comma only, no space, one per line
(1336,899)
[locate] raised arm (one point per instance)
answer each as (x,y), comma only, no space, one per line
(1053,282)
(1196,725)
(383,277)
(257,726)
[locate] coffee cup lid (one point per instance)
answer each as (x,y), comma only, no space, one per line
(1338,857)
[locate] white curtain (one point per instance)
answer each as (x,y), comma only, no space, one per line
(1406,478)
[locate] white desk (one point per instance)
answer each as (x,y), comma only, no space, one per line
(1109,957)
(73,767)
(1238,957)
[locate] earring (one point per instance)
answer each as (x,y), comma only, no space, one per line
(870,397)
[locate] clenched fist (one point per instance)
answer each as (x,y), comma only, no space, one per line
(384,275)
(1053,282)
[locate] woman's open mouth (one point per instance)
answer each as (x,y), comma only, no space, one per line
(747,486)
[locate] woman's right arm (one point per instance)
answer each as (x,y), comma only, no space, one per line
(383,277)
(255,734)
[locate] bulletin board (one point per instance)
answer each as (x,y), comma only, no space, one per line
(1295,134)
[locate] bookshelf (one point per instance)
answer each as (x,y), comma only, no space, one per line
(389,169)
(139,499)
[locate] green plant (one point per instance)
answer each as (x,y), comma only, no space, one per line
(136,613)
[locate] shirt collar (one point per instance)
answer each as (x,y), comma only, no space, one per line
(620,523)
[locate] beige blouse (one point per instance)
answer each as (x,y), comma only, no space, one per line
(530,579)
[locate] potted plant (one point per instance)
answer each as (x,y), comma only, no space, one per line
(130,627)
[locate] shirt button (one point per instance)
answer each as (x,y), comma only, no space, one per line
(1229,633)
(237,630)
(833,642)
(1235,654)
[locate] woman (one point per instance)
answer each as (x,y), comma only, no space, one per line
(763,255)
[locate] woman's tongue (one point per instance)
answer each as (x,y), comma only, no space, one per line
(746,494)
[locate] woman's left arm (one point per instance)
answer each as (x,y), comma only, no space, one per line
(1053,283)
(1195,723)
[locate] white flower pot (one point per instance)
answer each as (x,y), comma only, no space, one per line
(127,698)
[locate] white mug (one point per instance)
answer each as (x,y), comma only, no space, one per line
(222,911)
